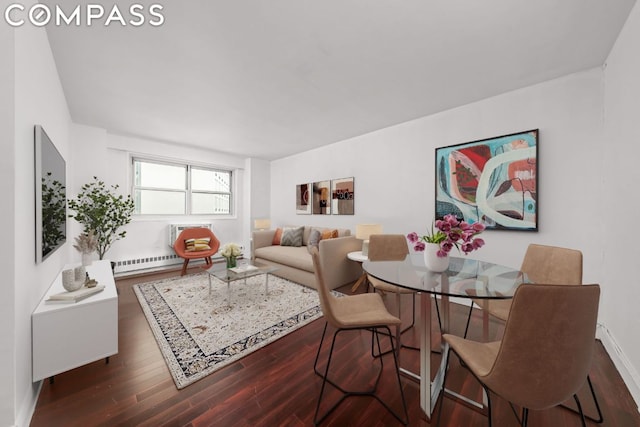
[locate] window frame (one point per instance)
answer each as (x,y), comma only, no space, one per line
(188,191)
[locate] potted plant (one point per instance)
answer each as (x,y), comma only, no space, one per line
(102,212)
(231,252)
(448,233)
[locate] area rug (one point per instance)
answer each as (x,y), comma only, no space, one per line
(199,333)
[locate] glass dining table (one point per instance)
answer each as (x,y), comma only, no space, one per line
(465,278)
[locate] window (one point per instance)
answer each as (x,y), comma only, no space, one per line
(161,188)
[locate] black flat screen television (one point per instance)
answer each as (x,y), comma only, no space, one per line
(51,196)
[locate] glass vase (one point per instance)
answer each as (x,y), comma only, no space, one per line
(231,262)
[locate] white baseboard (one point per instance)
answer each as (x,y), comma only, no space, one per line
(625,368)
(28,407)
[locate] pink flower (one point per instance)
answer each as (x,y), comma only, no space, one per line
(467,235)
(443,226)
(451,220)
(478,243)
(467,247)
(449,233)
(478,227)
(413,237)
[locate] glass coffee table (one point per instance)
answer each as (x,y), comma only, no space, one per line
(241,272)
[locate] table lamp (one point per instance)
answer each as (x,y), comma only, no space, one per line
(363,231)
(262,224)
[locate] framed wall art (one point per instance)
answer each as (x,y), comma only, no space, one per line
(342,194)
(320,198)
(303,199)
(494,181)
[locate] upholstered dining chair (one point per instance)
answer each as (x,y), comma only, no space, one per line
(362,311)
(543,264)
(196,243)
(391,247)
(545,353)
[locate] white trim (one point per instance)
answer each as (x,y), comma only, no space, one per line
(623,365)
(28,407)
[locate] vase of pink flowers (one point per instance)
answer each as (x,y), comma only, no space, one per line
(447,233)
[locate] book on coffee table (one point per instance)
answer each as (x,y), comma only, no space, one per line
(243,268)
(74,296)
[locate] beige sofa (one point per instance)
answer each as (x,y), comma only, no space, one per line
(295,263)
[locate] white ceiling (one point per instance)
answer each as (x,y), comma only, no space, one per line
(270,78)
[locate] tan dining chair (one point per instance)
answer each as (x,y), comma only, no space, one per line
(391,247)
(545,353)
(543,264)
(347,313)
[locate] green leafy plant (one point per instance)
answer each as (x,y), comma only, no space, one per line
(102,212)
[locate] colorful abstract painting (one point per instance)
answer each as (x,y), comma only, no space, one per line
(342,196)
(493,181)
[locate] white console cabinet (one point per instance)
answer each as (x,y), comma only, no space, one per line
(68,335)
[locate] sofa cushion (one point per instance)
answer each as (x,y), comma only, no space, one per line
(291,236)
(296,257)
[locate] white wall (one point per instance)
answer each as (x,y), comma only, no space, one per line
(38,100)
(393,168)
(260,189)
(620,200)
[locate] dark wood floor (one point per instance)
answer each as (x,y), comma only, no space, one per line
(275,386)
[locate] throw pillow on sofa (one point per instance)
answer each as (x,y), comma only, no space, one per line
(316,235)
(277,237)
(292,236)
(329,234)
